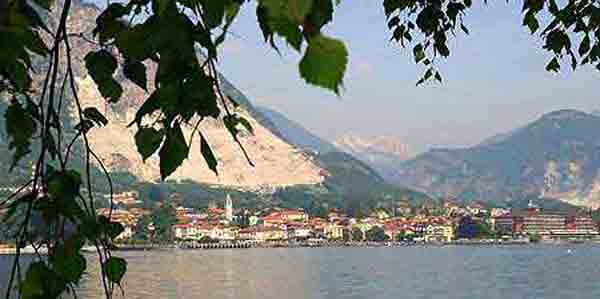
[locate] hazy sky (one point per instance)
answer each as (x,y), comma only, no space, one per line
(494,80)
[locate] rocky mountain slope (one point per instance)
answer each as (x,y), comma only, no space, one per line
(292,174)
(554,157)
(296,134)
(384,153)
(277,163)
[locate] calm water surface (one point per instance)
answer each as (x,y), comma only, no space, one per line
(407,272)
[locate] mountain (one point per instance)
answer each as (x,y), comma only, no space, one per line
(556,157)
(384,153)
(295,134)
(277,163)
(286,173)
(350,183)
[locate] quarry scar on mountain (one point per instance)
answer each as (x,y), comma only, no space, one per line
(277,163)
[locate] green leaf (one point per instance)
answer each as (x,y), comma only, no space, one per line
(425,77)
(464,29)
(109,23)
(213,12)
(93,114)
(173,152)
(89,227)
(231,124)
(135,71)
(557,40)
(70,266)
(137,43)
(114,229)
(151,104)
(18,73)
(33,286)
(64,184)
(162,6)
(531,21)
(244,122)
(584,47)
(111,89)
(20,127)
(232,8)
(110,228)
(75,242)
(34,42)
(324,62)
(390,6)
(289,31)
(428,74)
(438,77)
(115,268)
(418,53)
(101,66)
(293,10)
(41,282)
(207,153)
(14,206)
(553,65)
(320,13)
(262,17)
(148,140)
(46,4)
(63,188)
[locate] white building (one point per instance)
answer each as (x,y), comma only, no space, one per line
(228,208)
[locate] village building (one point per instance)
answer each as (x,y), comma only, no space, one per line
(125,198)
(552,225)
(333,231)
(439,233)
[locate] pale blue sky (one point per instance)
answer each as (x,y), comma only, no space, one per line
(494,80)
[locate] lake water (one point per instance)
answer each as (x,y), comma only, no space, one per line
(539,271)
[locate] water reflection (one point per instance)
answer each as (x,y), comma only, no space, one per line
(330,273)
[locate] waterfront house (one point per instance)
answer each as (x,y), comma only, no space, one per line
(439,233)
(269,233)
(293,215)
(552,225)
(193,231)
(185,231)
(333,231)
(476,209)
(495,212)
(298,231)
(225,233)
(124,198)
(273,219)
(392,229)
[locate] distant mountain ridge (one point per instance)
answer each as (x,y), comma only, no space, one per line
(555,157)
(384,153)
(295,133)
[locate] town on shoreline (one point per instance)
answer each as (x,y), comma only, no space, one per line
(224,226)
(172,225)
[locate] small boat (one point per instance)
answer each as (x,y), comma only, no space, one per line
(9,250)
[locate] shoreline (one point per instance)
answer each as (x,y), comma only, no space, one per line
(285,244)
(7,250)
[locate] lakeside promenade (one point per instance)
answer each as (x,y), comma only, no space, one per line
(7,250)
(318,244)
